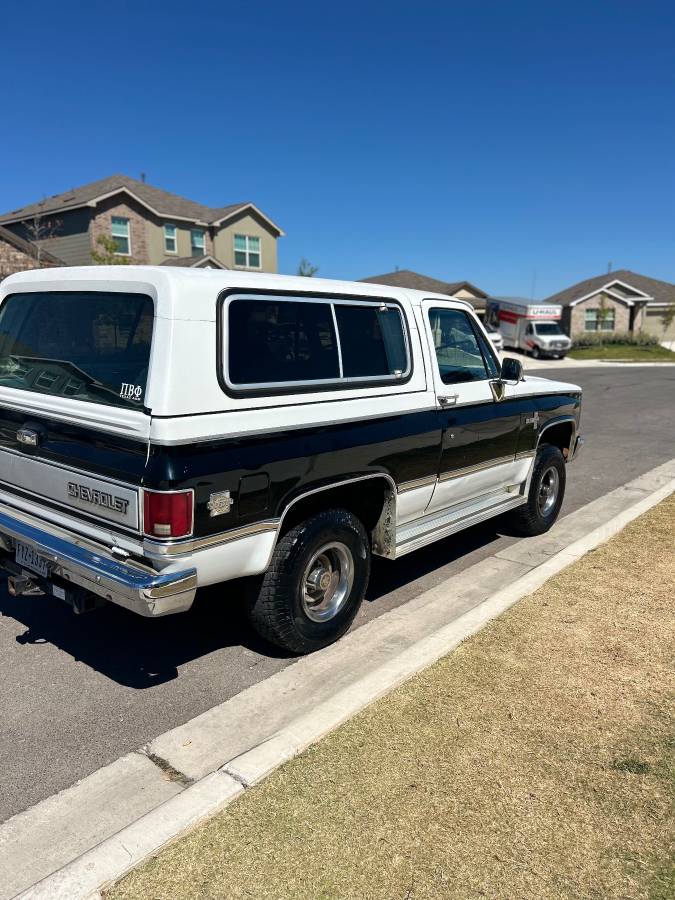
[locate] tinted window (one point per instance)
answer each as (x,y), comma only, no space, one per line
(371,341)
(87,346)
(457,351)
(274,341)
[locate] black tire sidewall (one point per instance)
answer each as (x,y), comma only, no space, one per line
(547,456)
(338,525)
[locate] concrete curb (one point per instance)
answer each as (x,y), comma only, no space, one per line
(116,855)
(251,767)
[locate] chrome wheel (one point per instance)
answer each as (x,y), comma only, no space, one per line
(549,486)
(327,582)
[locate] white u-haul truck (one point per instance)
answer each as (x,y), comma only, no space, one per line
(529,326)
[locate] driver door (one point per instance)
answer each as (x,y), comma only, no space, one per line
(479,434)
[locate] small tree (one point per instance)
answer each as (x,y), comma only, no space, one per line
(38,230)
(107,255)
(603,314)
(667,317)
(306,269)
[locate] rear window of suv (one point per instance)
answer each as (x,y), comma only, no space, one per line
(85,346)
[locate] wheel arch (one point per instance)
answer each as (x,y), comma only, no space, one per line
(372,498)
(560,432)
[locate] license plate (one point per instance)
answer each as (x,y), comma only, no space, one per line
(28,557)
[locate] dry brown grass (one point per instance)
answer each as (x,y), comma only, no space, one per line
(537,761)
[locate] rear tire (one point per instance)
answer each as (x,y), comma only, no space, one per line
(315,584)
(545,497)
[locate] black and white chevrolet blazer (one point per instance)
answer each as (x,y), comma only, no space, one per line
(162,429)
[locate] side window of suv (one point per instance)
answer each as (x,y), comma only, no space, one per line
(274,341)
(458,351)
(287,342)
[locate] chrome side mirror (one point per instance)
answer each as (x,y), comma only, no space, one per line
(512,370)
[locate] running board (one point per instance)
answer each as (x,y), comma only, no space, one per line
(441,524)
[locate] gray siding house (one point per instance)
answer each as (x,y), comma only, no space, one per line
(148,226)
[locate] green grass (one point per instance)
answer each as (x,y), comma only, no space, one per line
(626,352)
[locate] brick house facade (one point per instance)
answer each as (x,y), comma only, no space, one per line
(620,302)
(617,314)
(17,255)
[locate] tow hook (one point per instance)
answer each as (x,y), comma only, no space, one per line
(21,586)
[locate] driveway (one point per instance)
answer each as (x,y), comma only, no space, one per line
(78,692)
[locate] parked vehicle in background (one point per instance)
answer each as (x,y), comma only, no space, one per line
(532,327)
(495,337)
(162,429)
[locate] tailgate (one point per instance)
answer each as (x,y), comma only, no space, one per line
(72,467)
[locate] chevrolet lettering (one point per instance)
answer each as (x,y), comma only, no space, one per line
(97,497)
(163,429)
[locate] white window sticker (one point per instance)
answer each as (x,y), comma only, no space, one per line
(131,391)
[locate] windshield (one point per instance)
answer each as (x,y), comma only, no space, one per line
(91,346)
(547,328)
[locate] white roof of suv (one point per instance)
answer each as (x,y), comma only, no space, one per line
(188,293)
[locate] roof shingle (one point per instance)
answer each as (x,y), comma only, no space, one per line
(163,202)
(415,281)
(661,291)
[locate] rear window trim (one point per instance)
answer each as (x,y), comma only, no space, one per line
(284,388)
(143,409)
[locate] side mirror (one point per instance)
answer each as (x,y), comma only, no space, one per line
(512,370)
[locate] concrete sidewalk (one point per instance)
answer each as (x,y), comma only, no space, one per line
(112,819)
(541,365)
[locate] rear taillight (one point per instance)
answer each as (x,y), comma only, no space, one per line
(167,514)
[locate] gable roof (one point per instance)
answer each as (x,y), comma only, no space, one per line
(28,247)
(194,262)
(415,281)
(158,201)
(643,288)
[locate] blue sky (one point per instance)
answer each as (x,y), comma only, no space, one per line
(508,143)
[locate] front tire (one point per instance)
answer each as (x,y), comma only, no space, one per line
(315,584)
(545,497)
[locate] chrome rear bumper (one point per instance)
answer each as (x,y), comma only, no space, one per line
(79,561)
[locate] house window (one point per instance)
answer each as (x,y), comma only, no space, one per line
(599,320)
(120,235)
(198,242)
(247,251)
(170,239)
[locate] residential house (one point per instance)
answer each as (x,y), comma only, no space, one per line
(18,254)
(405,278)
(148,226)
(620,301)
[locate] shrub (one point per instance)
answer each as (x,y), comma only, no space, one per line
(596,339)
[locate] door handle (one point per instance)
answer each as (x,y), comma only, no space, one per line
(447,399)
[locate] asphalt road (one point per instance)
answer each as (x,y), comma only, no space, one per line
(78,692)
